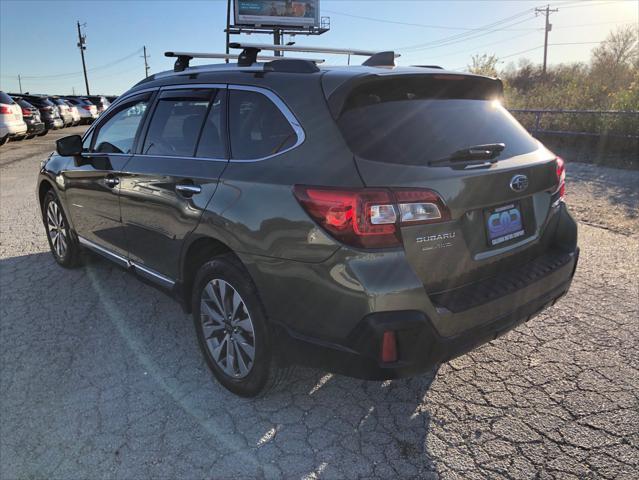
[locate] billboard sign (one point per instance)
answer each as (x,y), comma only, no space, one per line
(277,13)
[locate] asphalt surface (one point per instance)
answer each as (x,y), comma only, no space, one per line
(101,378)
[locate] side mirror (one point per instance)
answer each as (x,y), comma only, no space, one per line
(69,146)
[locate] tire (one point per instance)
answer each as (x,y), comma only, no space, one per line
(42,134)
(245,328)
(18,139)
(29,137)
(64,246)
(4,140)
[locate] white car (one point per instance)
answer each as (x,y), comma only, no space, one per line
(88,111)
(11,123)
(75,113)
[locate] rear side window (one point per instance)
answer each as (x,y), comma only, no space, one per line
(257,126)
(414,121)
(6,99)
(175,126)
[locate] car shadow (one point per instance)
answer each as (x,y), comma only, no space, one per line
(110,346)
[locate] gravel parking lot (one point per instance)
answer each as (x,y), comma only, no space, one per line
(101,376)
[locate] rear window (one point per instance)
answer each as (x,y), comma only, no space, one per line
(6,99)
(414,121)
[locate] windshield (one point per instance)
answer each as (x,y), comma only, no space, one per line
(407,126)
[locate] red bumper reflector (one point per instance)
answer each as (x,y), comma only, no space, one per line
(389,347)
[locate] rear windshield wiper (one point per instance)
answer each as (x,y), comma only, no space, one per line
(477,154)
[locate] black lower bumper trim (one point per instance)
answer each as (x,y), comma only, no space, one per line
(420,347)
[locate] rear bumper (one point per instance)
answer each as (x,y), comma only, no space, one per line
(53,123)
(420,344)
(15,129)
(35,128)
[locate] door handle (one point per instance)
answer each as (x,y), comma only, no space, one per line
(111,181)
(188,189)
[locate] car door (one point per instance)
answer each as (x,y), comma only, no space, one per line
(173,175)
(92,183)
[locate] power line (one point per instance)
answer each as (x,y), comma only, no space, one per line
(75,74)
(465,37)
(482,46)
(409,24)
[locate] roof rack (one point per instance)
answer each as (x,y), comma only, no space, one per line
(376,59)
(184,58)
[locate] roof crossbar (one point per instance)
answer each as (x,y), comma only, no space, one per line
(299,48)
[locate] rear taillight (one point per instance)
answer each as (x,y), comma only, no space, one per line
(4,109)
(27,112)
(370,217)
(560,193)
(87,107)
(47,109)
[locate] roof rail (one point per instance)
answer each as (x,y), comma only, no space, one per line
(428,66)
(184,58)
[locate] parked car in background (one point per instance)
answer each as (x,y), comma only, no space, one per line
(99,101)
(88,111)
(12,125)
(111,98)
(75,112)
(48,111)
(31,116)
(64,110)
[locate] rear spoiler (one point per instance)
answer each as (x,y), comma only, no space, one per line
(474,86)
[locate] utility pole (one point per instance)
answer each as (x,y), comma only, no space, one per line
(20,82)
(146,64)
(82,40)
(546,11)
(228,28)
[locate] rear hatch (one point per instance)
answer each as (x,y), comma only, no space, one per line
(426,132)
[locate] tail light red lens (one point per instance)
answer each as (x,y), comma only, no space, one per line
(370,217)
(4,109)
(27,112)
(389,347)
(561,178)
(87,107)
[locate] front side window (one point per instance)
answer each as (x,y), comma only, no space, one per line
(175,126)
(257,127)
(117,134)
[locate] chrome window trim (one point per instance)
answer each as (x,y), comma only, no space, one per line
(272,96)
(283,108)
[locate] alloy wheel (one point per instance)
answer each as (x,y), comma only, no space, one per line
(227,328)
(57,230)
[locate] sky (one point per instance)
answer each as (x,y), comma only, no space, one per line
(38,38)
